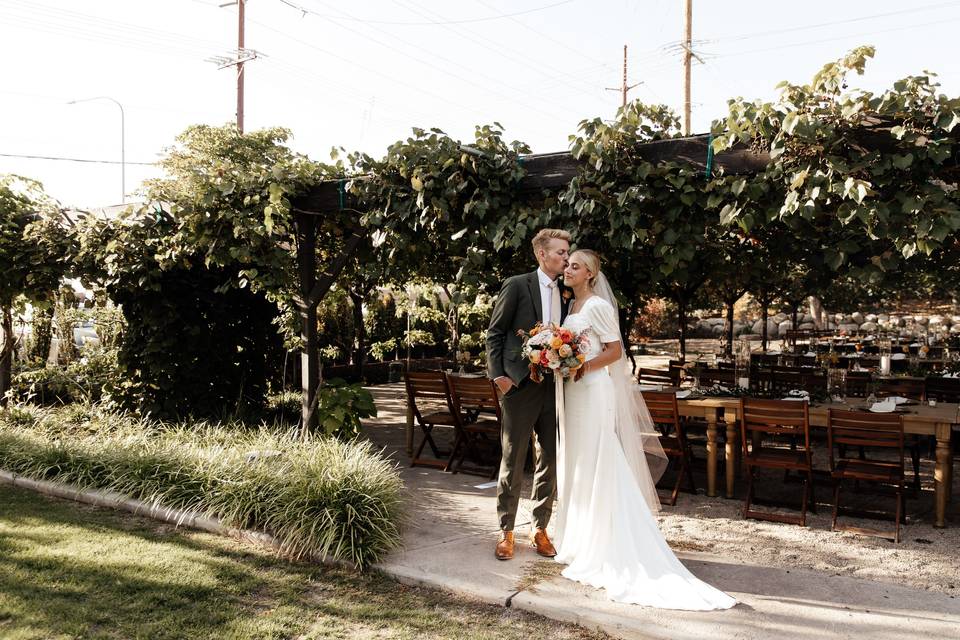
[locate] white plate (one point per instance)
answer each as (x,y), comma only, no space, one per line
(897,399)
(883,407)
(797,398)
(684,393)
(898,356)
(651,387)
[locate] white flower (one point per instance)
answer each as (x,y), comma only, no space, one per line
(554,364)
(541,338)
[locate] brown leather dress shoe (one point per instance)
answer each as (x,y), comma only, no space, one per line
(542,543)
(505,546)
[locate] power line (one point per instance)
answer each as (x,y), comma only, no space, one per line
(760,34)
(433,22)
(835,39)
(430,64)
(63,159)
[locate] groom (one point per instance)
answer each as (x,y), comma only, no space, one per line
(528,407)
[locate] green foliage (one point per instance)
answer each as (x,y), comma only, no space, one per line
(200,270)
(869,177)
(384,349)
(447,207)
(34,243)
(340,407)
(320,496)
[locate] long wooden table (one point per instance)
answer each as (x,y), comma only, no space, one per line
(722,413)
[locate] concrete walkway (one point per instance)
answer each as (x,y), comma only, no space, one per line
(451,532)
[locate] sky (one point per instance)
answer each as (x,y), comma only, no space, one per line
(360,75)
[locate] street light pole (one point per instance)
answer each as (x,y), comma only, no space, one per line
(123,143)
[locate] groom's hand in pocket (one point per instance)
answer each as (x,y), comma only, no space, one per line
(504,383)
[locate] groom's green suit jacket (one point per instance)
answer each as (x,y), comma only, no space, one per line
(518,308)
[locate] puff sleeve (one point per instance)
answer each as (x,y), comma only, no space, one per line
(603,319)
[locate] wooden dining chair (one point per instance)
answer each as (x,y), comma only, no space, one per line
(764,360)
(943,389)
(429,388)
(654,376)
(666,418)
(478,423)
(912,389)
(709,377)
(767,428)
(858,383)
(761,381)
(881,435)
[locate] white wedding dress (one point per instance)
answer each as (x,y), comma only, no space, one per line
(605,532)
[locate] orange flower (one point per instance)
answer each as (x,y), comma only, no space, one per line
(535,356)
(581,357)
(565,335)
(535,331)
(556,342)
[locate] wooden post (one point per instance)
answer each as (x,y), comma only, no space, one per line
(687,61)
(309,357)
(6,353)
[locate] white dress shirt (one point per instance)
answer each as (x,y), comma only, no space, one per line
(546,296)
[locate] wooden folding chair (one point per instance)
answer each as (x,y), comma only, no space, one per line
(666,417)
(429,386)
(762,422)
(877,433)
(476,411)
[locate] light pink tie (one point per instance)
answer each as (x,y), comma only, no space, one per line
(554,303)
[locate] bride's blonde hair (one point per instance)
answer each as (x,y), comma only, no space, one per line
(592,262)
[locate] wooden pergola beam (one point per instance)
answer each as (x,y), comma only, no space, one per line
(555,170)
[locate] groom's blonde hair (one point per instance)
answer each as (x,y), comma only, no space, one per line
(592,261)
(544,236)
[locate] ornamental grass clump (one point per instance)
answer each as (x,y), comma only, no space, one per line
(318,497)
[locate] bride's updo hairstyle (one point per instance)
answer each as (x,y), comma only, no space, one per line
(592,262)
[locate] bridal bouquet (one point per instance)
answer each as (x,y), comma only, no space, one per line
(553,349)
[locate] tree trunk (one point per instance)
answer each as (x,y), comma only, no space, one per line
(796,306)
(729,328)
(817,311)
(6,353)
(42,332)
(359,334)
(682,317)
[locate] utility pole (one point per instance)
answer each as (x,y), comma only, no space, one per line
(687,61)
(238,58)
(624,88)
(241,4)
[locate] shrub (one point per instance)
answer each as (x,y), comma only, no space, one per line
(88,379)
(319,496)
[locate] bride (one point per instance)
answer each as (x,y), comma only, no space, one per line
(606,532)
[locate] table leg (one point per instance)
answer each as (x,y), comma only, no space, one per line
(711,454)
(941,474)
(731,457)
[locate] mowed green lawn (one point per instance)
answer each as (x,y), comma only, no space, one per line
(72,571)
